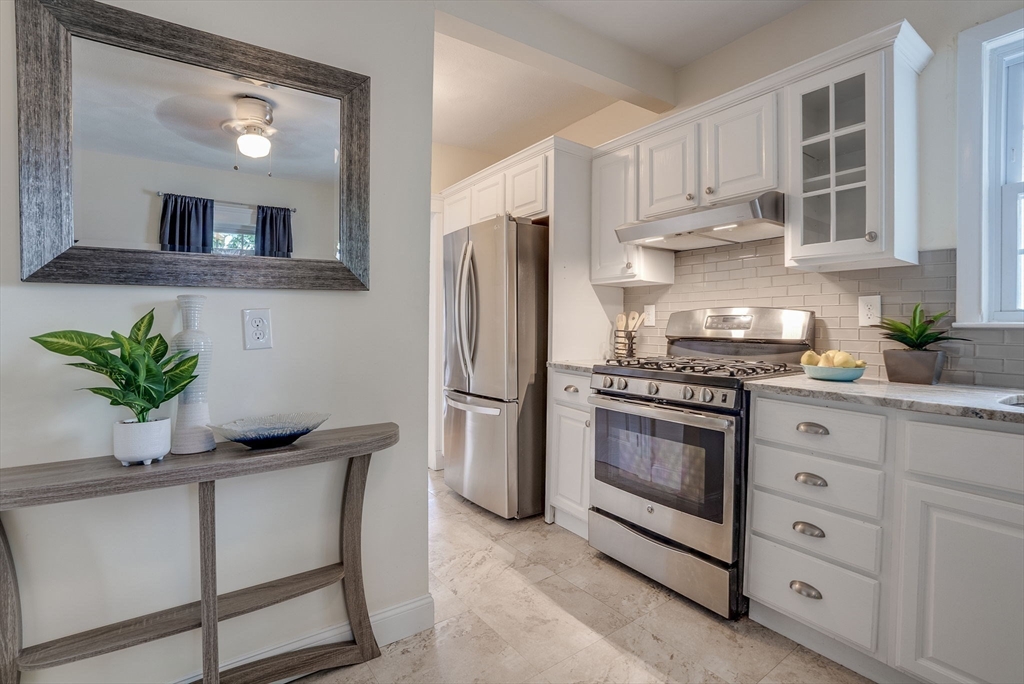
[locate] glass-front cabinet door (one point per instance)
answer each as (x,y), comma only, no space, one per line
(836,156)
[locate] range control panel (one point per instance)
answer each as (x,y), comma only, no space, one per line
(661,390)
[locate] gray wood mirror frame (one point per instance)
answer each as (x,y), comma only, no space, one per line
(48,253)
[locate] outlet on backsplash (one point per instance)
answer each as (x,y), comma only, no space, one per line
(649,321)
(869,310)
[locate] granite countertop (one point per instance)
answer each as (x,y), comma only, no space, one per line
(950,400)
(576,366)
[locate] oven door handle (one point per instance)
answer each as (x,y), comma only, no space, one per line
(645,410)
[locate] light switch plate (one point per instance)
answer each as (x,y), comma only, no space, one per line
(649,321)
(869,310)
(256,333)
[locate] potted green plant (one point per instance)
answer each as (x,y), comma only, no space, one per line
(144,377)
(916,364)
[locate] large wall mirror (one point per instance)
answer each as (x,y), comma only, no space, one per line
(156,154)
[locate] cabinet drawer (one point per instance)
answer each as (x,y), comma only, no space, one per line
(982,457)
(567,388)
(848,607)
(848,487)
(845,433)
(845,539)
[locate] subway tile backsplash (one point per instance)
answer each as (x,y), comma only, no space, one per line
(753,274)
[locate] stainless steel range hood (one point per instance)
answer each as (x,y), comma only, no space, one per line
(757,219)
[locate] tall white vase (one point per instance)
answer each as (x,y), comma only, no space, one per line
(191,435)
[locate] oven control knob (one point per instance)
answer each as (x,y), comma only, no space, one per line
(706,395)
(652,388)
(621,384)
(688,393)
(607,383)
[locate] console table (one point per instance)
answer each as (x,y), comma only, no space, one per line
(49,483)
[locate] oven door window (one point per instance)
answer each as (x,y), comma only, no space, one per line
(676,465)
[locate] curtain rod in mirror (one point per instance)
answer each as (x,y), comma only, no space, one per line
(161,193)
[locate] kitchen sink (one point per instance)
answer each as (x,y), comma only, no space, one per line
(1013,400)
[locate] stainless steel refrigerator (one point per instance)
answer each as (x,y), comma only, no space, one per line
(495,358)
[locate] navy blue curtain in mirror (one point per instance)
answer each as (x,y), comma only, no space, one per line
(273,231)
(186,224)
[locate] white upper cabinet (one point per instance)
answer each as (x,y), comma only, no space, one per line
(488,199)
(456,212)
(668,172)
(852,181)
(526,188)
(613,203)
(740,150)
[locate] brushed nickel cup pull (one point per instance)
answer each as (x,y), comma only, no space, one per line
(808,529)
(708,190)
(689,196)
(812,428)
(805,589)
(811,479)
(572,388)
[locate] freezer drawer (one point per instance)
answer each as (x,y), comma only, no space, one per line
(480,450)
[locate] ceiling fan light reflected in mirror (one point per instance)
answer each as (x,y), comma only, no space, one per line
(253,144)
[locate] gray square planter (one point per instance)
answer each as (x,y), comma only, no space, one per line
(918,367)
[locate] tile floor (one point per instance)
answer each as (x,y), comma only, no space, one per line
(522,601)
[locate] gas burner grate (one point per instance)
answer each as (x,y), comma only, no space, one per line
(735,368)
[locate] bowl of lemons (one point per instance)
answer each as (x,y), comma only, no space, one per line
(834,365)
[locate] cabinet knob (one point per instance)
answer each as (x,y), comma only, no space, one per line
(811,479)
(689,196)
(650,509)
(709,190)
(871,236)
(572,388)
(805,589)
(629,265)
(808,529)
(587,423)
(812,428)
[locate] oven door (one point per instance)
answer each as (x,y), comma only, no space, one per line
(668,470)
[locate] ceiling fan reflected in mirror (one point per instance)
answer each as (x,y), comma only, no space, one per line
(253,117)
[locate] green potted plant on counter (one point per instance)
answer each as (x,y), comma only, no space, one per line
(916,364)
(144,377)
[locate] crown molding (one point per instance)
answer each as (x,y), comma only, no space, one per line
(547,145)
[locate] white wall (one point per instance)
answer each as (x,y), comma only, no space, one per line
(615,120)
(116,204)
(360,356)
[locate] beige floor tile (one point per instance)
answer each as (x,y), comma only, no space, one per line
(625,590)
(458,549)
(551,546)
(741,651)
(446,604)
(804,666)
(630,655)
(460,649)
(435,481)
(354,674)
(547,621)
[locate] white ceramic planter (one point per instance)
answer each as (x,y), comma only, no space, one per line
(136,442)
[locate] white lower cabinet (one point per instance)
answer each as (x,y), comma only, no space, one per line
(961,605)
(570,451)
(900,535)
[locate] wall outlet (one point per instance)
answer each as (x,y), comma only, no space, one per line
(649,321)
(869,310)
(256,332)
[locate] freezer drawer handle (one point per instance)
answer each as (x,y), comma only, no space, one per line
(572,388)
(808,529)
(486,410)
(812,428)
(805,589)
(811,479)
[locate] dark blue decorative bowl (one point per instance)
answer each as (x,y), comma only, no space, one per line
(267,432)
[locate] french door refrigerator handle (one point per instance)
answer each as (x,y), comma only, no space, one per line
(472,305)
(469,408)
(460,311)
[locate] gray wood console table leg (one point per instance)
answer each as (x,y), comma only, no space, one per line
(10,614)
(208,582)
(351,556)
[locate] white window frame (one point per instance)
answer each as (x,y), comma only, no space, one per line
(985,212)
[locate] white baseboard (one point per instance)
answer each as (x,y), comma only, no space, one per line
(389,625)
(581,528)
(847,656)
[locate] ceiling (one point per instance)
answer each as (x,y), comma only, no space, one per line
(673,32)
(491,103)
(143,106)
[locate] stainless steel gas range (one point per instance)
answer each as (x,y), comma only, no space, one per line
(670,447)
